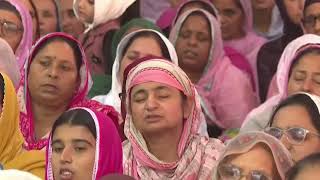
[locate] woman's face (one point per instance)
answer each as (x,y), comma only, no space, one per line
(48,18)
(86,10)
(297,116)
(312,19)
(157,108)
(305,75)
(232,19)
(11,28)
(53,74)
(32,13)
(70,23)
(137,50)
(259,158)
(194,43)
(294,10)
(73,153)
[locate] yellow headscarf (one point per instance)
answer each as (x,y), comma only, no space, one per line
(12,155)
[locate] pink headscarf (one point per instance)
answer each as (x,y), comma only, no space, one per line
(25,44)
(108,155)
(259,117)
(197,155)
(249,45)
(220,79)
(79,99)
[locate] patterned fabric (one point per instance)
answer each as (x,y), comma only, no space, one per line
(108,155)
(245,142)
(196,155)
(79,99)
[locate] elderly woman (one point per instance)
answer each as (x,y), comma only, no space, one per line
(254,155)
(162,112)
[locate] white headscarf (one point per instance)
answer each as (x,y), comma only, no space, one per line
(105,10)
(16,175)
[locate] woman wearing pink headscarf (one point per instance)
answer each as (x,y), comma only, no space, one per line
(84,144)
(19,37)
(298,70)
(162,115)
(237,30)
(216,78)
(56,78)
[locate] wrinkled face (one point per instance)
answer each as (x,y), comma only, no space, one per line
(194,43)
(263,4)
(305,75)
(53,74)
(137,50)
(86,10)
(157,108)
(73,153)
(70,23)
(297,116)
(312,19)
(32,13)
(309,172)
(11,28)
(48,18)
(259,158)
(294,9)
(232,19)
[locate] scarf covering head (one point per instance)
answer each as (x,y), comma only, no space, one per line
(105,10)
(138,23)
(25,44)
(112,98)
(259,117)
(108,155)
(245,142)
(9,64)
(196,155)
(78,100)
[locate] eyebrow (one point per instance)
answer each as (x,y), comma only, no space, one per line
(81,141)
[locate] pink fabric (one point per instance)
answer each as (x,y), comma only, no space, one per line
(92,43)
(108,157)
(249,45)
(157,76)
(25,44)
(79,99)
(259,117)
(197,155)
(220,80)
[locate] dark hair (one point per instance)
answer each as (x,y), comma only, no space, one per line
(72,43)
(302,100)
(132,12)
(312,50)
(311,160)
(36,16)
(76,117)
(203,4)
(5,5)
(145,34)
(2,86)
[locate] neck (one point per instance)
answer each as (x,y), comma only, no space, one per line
(262,19)
(164,146)
(194,76)
(44,117)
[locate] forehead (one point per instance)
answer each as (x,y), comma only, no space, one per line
(67,132)
(145,44)
(9,15)
(66,4)
(225,4)
(309,62)
(313,9)
(196,21)
(58,49)
(45,4)
(153,86)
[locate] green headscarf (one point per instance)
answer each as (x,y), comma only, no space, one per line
(134,23)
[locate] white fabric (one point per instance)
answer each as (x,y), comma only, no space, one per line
(105,10)
(16,175)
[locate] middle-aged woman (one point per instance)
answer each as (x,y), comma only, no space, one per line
(254,155)
(163,113)
(84,144)
(16,29)
(298,70)
(56,78)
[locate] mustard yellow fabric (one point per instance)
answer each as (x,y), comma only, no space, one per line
(12,155)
